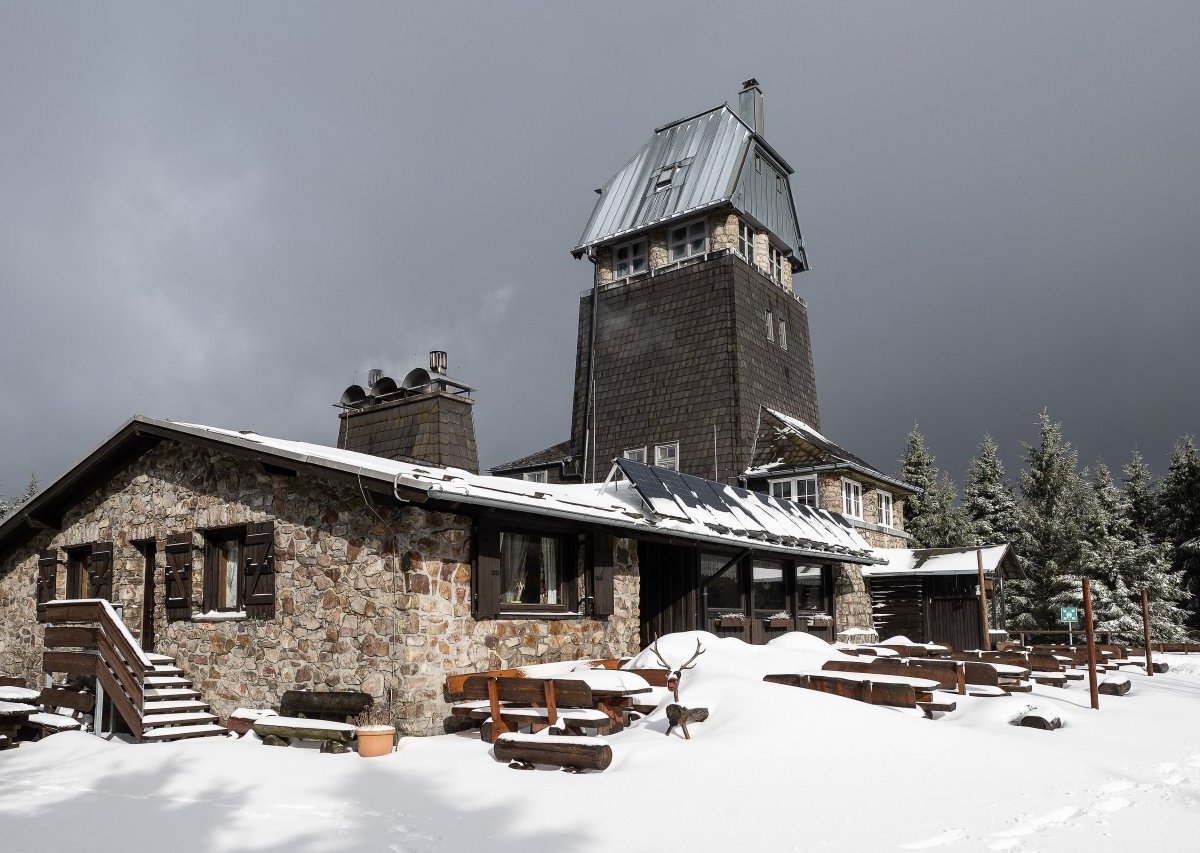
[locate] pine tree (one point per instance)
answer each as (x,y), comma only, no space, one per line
(930,516)
(1052,537)
(1179,520)
(989,505)
(1148,560)
(7,507)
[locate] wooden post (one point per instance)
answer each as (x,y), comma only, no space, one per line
(983,620)
(1091,641)
(1146,629)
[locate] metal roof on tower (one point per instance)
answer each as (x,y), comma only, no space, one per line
(695,164)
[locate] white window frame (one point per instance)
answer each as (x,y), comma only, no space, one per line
(631,246)
(884,502)
(770,325)
(636,454)
(783,334)
(746,241)
(776,262)
(660,461)
(536,476)
(695,230)
(852,499)
(793,489)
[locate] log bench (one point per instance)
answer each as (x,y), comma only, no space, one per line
(281,731)
(870,687)
(568,752)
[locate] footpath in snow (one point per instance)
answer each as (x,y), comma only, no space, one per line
(774,768)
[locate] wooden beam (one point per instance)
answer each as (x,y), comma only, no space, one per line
(983,618)
(1091,642)
(1146,629)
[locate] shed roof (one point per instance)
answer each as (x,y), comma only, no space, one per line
(900,562)
(693,165)
(556,454)
(613,505)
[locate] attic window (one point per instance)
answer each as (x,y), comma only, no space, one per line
(776,258)
(665,177)
(779,183)
(758,164)
(851,499)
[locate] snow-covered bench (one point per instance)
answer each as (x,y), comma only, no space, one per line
(872,687)
(504,702)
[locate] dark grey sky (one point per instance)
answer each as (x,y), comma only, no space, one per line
(225,215)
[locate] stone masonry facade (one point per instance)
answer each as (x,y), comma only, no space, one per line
(372,599)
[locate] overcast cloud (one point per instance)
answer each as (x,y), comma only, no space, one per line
(226,213)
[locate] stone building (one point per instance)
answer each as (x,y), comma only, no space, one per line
(251,566)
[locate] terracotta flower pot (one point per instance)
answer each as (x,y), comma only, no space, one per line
(375,740)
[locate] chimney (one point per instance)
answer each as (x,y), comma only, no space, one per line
(750,105)
(427,417)
(373,376)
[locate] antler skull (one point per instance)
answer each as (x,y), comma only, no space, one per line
(675,673)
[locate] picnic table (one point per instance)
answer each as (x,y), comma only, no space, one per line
(20,695)
(612,689)
(12,716)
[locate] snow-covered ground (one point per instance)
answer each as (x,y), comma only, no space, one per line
(774,768)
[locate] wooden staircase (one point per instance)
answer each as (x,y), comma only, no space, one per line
(149,692)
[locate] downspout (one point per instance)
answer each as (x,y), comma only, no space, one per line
(591,375)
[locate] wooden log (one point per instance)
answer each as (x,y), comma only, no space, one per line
(1045,722)
(556,751)
(677,715)
(295,727)
(1115,686)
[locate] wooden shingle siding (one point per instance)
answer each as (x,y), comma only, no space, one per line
(684,351)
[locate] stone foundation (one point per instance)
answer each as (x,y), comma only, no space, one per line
(851,600)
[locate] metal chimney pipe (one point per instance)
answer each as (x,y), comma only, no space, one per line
(373,376)
(438,361)
(750,105)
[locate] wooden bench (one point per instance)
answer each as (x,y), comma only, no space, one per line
(338,706)
(50,720)
(306,715)
(892,691)
(12,681)
(537,703)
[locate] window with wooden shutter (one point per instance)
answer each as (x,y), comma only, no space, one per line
(47,580)
(485,584)
(178,592)
(602,575)
(100,571)
(258,578)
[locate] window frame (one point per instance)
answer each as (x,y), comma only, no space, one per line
(687,227)
(214,592)
(79,561)
(770,326)
(631,245)
(783,335)
(641,451)
(793,491)
(882,498)
(585,582)
(775,259)
(855,499)
(536,476)
(746,241)
(675,460)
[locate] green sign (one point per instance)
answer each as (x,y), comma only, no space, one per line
(1068,614)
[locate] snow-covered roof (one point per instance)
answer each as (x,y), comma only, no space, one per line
(613,504)
(946,561)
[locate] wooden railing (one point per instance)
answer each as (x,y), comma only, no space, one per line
(99,646)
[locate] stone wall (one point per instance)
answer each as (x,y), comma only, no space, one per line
(373,600)
(851,600)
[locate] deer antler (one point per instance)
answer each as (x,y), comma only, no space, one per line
(654,648)
(690,664)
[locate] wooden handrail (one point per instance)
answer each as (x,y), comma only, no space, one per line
(119,664)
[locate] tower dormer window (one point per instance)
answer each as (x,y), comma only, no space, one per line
(629,259)
(776,258)
(746,241)
(688,240)
(665,177)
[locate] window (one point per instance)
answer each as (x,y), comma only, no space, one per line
(665,178)
(47,580)
(629,259)
(799,489)
(783,334)
(534,476)
(688,240)
(239,570)
(667,455)
(531,569)
(79,560)
(770,326)
(778,183)
(637,454)
(746,241)
(851,499)
(758,164)
(776,258)
(810,589)
(885,509)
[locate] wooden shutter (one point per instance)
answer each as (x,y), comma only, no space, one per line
(258,579)
(47,580)
(179,576)
(602,575)
(485,584)
(100,571)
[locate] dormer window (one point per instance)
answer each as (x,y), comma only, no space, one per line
(851,499)
(886,516)
(688,240)
(746,241)
(665,177)
(629,259)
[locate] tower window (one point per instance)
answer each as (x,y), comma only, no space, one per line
(783,334)
(776,258)
(667,455)
(637,454)
(746,241)
(629,259)
(664,179)
(778,183)
(758,164)
(770,326)
(688,240)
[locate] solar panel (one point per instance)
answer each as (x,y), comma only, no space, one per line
(645,480)
(707,493)
(676,485)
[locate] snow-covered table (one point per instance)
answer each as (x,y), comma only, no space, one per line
(12,716)
(20,695)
